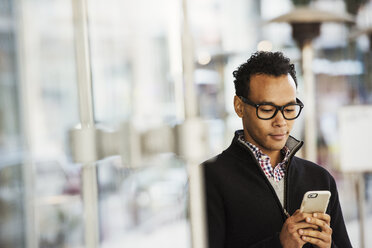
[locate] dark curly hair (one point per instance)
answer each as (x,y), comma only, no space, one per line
(269,63)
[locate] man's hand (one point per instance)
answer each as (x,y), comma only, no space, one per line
(320,237)
(290,236)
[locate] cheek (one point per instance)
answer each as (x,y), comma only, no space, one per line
(290,125)
(256,126)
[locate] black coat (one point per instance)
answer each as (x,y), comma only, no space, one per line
(243,209)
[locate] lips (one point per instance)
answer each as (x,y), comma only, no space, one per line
(279,136)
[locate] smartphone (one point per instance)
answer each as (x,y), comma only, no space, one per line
(315,201)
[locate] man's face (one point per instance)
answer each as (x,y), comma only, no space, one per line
(268,135)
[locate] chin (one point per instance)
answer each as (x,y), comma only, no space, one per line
(278,145)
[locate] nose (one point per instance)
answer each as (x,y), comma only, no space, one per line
(279,119)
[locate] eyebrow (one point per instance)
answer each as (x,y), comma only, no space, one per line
(271,103)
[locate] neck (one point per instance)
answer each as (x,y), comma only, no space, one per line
(274,155)
(275,158)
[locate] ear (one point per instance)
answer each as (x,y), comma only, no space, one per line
(238,106)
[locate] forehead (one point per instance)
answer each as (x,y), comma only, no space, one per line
(268,88)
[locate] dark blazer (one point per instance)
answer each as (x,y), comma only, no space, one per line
(243,209)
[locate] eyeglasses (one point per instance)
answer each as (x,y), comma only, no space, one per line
(267,111)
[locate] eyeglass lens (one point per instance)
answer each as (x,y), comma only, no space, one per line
(268,111)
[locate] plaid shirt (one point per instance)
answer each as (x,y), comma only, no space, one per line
(278,171)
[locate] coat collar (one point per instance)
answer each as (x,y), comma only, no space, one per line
(236,146)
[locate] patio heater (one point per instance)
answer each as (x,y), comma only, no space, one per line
(305,22)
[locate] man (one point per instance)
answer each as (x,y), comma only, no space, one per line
(255,187)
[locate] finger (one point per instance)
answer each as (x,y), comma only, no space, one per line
(294,224)
(315,241)
(295,227)
(290,233)
(305,225)
(298,216)
(324,217)
(325,237)
(320,223)
(320,239)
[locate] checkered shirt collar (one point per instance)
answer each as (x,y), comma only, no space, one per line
(278,171)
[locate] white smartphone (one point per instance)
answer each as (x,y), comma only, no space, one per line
(315,201)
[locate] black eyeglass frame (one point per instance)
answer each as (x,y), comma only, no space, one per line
(277,108)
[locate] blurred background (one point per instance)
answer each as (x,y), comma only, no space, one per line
(162,101)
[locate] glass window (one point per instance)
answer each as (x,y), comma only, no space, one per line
(12,219)
(136,66)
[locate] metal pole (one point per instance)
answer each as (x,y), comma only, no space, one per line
(191,107)
(89,177)
(197,208)
(192,133)
(360,190)
(310,116)
(83,63)
(28,168)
